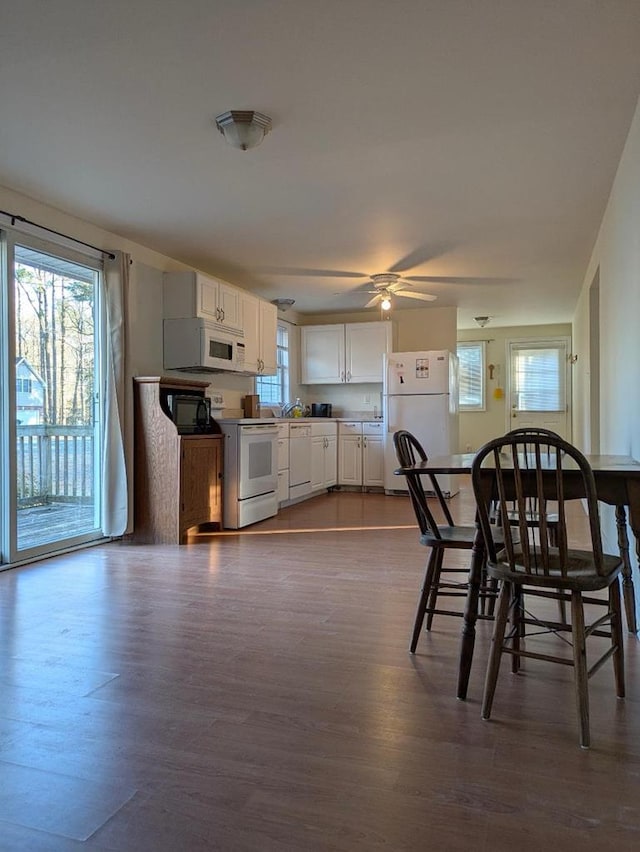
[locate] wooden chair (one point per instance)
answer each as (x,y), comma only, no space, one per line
(536,469)
(533,513)
(437,537)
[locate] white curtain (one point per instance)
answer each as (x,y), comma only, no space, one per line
(115,500)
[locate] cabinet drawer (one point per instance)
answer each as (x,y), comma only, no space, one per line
(373,428)
(351,428)
(324,430)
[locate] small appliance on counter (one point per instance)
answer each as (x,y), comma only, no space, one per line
(321,409)
(191,413)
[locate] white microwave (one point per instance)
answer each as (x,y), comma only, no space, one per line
(196,346)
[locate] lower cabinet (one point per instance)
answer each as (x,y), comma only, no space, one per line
(200,476)
(361,454)
(283,462)
(324,455)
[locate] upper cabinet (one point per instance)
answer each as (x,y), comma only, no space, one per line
(343,354)
(191,294)
(260,323)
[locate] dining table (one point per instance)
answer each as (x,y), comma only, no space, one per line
(617,479)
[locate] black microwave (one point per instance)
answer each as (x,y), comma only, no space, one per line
(190,413)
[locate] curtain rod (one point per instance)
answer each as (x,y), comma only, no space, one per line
(15,218)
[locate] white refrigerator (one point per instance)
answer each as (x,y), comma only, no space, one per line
(420,394)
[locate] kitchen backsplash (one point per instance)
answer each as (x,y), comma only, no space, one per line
(353,401)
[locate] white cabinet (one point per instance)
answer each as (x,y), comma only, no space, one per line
(191,294)
(260,324)
(361,454)
(324,455)
(373,454)
(365,344)
(350,454)
(283,462)
(343,354)
(321,354)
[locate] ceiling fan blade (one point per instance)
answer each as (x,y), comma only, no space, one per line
(457,279)
(420,255)
(303,272)
(373,301)
(411,294)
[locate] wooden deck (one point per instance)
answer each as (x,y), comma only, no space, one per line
(39,525)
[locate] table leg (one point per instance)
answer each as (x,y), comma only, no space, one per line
(627,580)
(470,615)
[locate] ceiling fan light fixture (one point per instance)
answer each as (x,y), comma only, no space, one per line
(243,129)
(385,304)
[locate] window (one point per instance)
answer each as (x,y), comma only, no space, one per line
(472,358)
(538,377)
(274,390)
(23,385)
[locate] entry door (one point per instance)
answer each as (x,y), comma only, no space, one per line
(52,412)
(539,385)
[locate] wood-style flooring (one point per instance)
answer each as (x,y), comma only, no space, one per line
(253,691)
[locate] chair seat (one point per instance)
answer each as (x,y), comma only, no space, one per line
(579,572)
(462,537)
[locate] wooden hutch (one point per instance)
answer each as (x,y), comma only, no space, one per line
(178,478)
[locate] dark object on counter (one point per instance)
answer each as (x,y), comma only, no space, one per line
(321,409)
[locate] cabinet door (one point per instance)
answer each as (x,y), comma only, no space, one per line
(322,354)
(350,460)
(331,461)
(200,483)
(365,344)
(317,463)
(268,336)
(251,327)
(373,460)
(230,308)
(207,298)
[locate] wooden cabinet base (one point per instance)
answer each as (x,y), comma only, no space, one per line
(178,478)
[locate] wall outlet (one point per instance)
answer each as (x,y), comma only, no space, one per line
(367,399)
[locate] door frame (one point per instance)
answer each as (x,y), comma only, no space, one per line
(10,554)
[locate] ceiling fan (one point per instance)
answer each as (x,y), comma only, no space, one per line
(388,284)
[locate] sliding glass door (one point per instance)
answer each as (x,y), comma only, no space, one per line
(51,409)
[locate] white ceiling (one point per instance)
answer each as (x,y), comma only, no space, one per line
(471,142)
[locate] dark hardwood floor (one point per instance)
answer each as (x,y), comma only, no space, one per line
(253,691)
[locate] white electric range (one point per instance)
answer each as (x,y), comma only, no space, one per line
(250,470)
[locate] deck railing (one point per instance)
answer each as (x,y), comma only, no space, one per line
(54,463)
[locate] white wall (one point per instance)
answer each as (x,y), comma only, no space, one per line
(615,262)
(616,257)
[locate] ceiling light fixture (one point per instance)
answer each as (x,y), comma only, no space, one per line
(482,321)
(243,129)
(385,304)
(283,304)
